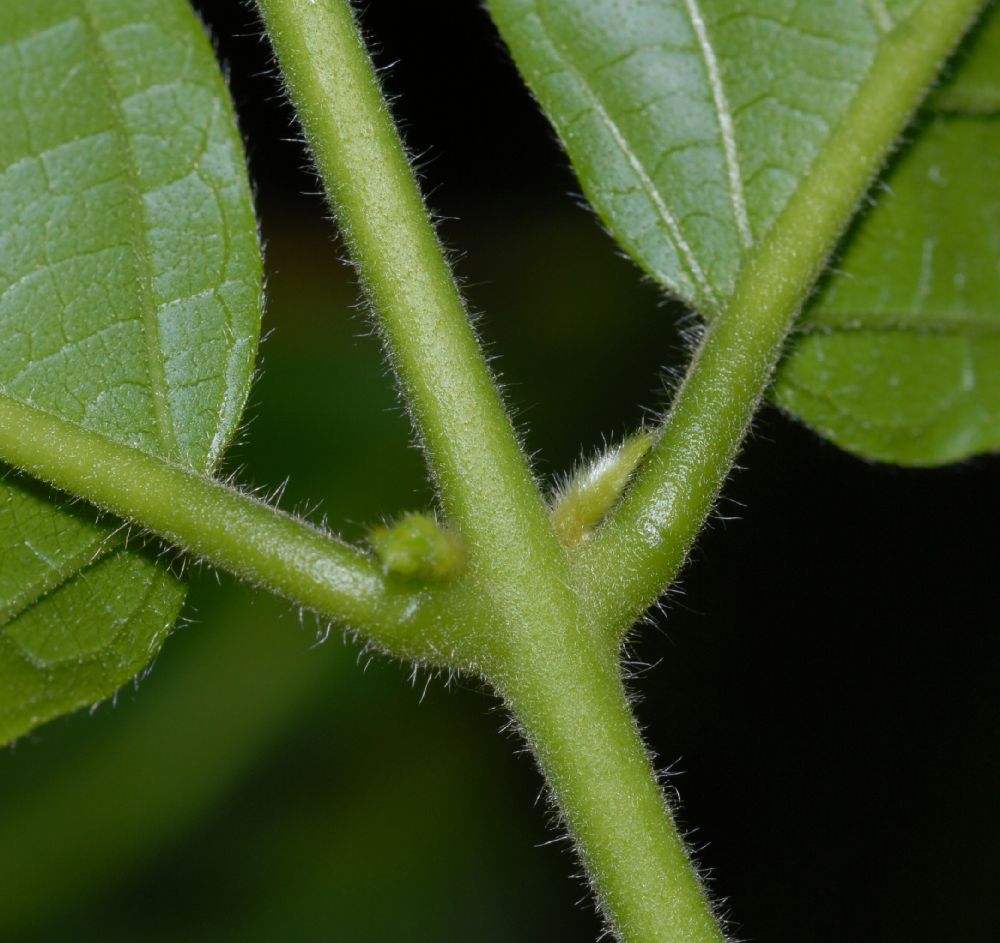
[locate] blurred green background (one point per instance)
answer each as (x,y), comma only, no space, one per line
(823,684)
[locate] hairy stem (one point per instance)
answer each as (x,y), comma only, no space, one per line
(539,648)
(572,708)
(484,483)
(640,550)
(517,616)
(238,533)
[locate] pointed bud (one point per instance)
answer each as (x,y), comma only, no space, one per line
(587,497)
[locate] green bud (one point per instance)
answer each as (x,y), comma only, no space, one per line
(417,546)
(586,498)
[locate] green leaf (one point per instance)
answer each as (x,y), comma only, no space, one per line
(972,85)
(130,299)
(900,359)
(691,122)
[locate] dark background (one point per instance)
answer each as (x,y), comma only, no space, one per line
(823,688)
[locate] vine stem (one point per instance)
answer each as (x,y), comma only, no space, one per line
(483,479)
(638,552)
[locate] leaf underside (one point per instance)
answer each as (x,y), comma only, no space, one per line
(690,123)
(900,356)
(130,296)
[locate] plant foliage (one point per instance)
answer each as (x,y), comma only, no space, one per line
(690,123)
(130,299)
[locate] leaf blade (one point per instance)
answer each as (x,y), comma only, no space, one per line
(701,147)
(46,644)
(712,99)
(972,86)
(130,295)
(903,343)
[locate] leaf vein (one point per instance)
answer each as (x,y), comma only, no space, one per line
(646,183)
(727,129)
(143,250)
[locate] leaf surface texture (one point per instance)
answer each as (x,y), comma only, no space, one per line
(690,123)
(130,300)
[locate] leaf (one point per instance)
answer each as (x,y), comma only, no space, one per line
(691,122)
(900,359)
(130,298)
(972,84)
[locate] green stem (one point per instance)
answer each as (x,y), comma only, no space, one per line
(240,534)
(517,616)
(638,553)
(564,690)
(572,708)
(484,483)
(539,648)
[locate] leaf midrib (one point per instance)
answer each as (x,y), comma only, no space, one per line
(880,16)
(166,431)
